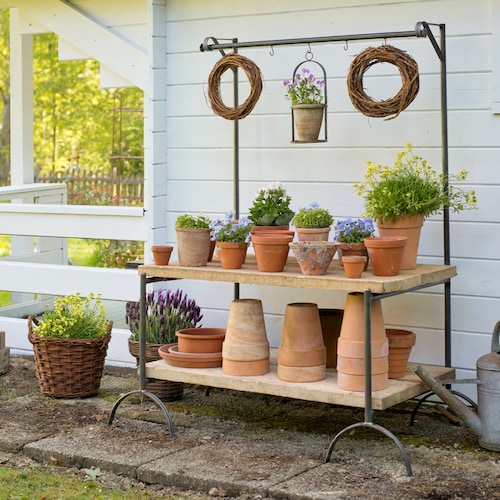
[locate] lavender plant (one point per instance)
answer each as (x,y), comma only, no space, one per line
(166,312)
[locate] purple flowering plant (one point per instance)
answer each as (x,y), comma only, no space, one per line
(166,312)
(228,229)
(354,230)
(305,88)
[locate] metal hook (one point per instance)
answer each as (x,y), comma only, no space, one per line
(346,45)
(309,54)
(272,51)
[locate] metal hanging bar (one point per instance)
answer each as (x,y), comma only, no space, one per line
(419,31)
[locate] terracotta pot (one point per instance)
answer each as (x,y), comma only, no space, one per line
(312,233)
(211,250)
(386,254)
(354,265)
(258,229)
(245,350)
(351,346)
(271,252)
(331,321)
(409,226)
(161,254)
(353,249)
(232,255)
(193,246)
(302,353)
(314,257)
(173,357)
(200,339)
(308,119)
(400,345)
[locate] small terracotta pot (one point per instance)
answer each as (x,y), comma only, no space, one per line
(161,254)
(232,255)
(200,339)
(312,233)
(386,254)
(314,257)
(353,265)
(352,249)
(400,345)
(271,252)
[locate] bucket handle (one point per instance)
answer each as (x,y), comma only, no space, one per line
(495,344)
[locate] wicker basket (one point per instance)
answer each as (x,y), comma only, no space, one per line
(166,390)
(68,368)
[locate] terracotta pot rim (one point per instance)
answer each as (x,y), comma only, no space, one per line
(194,229)
(273,239)
(161,248)
(385,241)
(354,258)
(308,106)
(206,333)
(313,244)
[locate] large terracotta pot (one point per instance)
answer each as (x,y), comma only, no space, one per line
(312,233)
(409,226)
(351,346)
(386,254)
(245,350)
(193,246)
(314,257)
(232,255)
(400,345)
(308,119)
(271,252)
(302,353)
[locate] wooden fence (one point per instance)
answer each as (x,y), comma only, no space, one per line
(96,188)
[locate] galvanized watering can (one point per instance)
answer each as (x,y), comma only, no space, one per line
(486,422)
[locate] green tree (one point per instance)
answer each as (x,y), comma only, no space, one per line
(4,94)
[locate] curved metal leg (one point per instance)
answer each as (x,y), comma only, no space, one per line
(379,428)
(431,393)
(151,396)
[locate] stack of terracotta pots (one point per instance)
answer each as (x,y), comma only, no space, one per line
(245,351)
(302,353)
(351,346)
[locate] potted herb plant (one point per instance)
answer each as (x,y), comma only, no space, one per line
(70,343)
(271,207)
(193,239)
(312,223)
(232,239)
(166,313)
(400,197)
(351,233)
(305,92)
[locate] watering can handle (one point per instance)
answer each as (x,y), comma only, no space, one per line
(495,344)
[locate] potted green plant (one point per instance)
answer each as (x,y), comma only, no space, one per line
(193,239)
(232,239)
(305,92)
(312,223)
(166,313)
(351,233)
(399,197)
(271,207)
(70,343)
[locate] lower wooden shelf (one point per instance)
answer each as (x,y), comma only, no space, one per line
(324,391)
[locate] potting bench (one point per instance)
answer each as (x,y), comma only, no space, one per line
(325,391)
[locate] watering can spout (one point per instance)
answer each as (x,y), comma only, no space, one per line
(462,411)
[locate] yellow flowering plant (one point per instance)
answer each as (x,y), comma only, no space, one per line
(74,316)
(410,187)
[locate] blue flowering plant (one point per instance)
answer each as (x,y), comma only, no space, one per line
(166,312)
(230,230)
(271,206)
(305,88)
(312,216)
(353,230)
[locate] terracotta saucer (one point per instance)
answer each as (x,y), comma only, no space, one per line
(173,357)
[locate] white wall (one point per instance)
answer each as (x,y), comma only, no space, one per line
(200,144)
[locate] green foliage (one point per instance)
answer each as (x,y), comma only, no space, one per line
(74,316)
(354,230)
(271,206)
(313,216)
(227,229)
(192,221)
(411,186)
